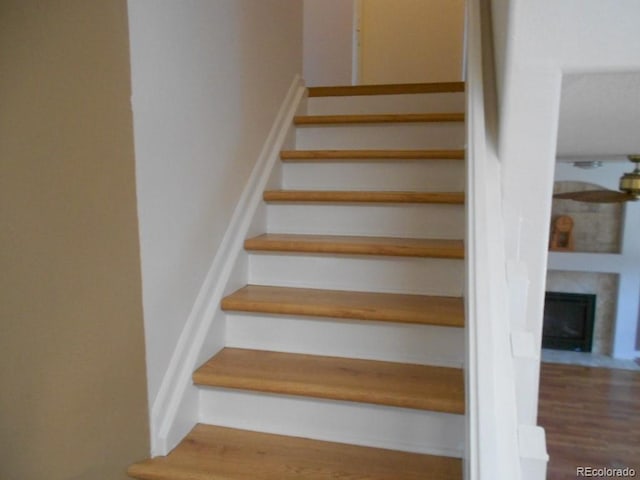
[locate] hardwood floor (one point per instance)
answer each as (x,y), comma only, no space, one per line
(591,417)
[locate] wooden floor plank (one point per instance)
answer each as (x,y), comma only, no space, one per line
(350,196)
(302,120)
(217,453)
(422,387)
(309,155)
(386,89)
(387,307)
(591,417)
(357,245)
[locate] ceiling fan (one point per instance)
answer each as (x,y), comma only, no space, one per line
(629,189)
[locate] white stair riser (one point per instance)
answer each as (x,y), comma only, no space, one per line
(393,220)
(344,422)
(414,103)
(419,175)
(447,135)
(393,342)
(428,276)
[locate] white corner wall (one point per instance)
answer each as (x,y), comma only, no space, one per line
(208,77)
(328,42)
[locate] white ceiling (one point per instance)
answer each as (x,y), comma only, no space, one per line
(599,115)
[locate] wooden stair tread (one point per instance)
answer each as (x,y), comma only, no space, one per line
(370,381)
(309,155)
(356,196)
(356,245)
(218,453)
(386,89)
(388,307)
(377,118)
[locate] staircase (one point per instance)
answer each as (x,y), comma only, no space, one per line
(343,355)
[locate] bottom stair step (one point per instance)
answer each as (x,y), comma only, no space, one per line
(216,453)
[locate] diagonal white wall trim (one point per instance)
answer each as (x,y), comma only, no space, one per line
(175,409)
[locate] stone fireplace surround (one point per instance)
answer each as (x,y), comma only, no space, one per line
(606,261)
(605,287)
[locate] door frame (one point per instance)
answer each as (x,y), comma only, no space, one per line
(356,47)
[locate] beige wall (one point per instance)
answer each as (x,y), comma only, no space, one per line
(411,41)
(73,393)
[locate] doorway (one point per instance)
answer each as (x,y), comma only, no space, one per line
(408,41)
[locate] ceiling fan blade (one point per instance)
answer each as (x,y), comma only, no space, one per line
(596,196)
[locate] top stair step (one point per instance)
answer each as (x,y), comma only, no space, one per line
(310,120)
(380,99)
(220,453)
(391,89)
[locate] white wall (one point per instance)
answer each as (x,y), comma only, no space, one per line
(208,77)
(328,42)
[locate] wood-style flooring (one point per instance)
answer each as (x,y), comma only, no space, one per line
(591,417)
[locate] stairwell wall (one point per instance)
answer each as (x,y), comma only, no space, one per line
(208,78)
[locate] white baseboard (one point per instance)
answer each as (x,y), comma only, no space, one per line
(175,409)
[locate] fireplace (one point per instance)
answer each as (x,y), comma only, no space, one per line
(568,321)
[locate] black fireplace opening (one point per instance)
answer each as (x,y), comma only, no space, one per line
(568,321)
